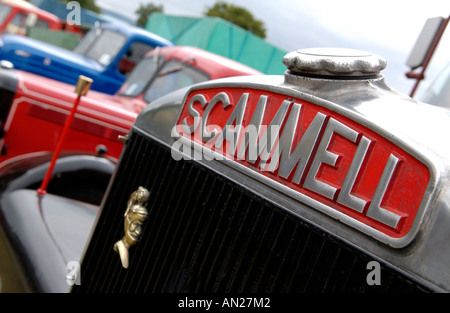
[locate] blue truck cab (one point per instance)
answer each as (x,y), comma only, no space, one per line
(105,54)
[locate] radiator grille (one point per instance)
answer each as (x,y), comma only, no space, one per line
(208,234)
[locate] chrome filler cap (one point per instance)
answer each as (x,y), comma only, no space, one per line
(334,62)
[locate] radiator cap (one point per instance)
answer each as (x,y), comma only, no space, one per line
(334,63)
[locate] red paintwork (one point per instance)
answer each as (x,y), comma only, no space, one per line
(19,6)
(41,106)
(39,110)
(216,66)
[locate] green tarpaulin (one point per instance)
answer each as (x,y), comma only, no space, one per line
(58,38)
(221,37)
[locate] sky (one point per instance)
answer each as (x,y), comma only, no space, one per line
(388,28)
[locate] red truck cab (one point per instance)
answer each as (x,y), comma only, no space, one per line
(173,68)
(17,15)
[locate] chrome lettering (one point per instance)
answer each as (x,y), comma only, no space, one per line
(253,130)
(375,210)
(206,134)
(303,150)
(345,198)
(194,113)
(325,156)
(270,137)
(231,132)
(262,146)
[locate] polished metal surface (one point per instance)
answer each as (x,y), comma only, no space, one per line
(83,85)
(135,216)
(334,62)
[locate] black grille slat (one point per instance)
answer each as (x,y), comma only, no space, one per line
(266,255)
(192,229)
(205,232)
(191,197)
(166,220)
(208,234)
(186,193)
(250,249)
(241,271)
(225,246)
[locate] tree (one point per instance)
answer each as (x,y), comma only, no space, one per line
(144,12)
(238,16)
(87,4)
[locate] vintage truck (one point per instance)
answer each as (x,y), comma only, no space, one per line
(105,54)
(35,108)
(321,180)
(17,15)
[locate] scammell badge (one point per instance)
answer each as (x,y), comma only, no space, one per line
(314,152)
(134,218)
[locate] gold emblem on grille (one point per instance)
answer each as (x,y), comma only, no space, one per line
(134,218)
